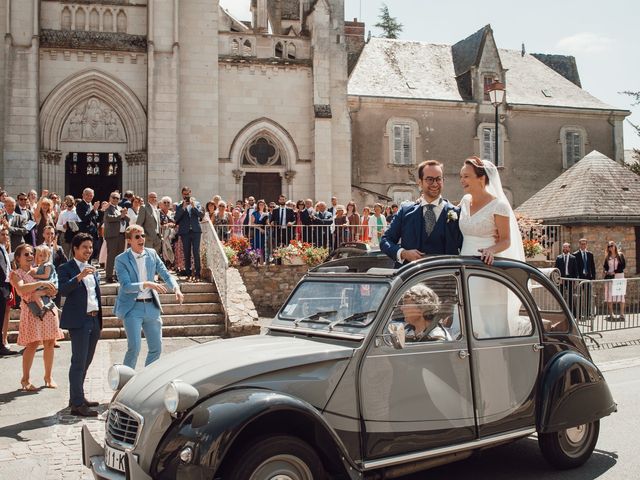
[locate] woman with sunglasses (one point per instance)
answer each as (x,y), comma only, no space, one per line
(32,330)
(614,265)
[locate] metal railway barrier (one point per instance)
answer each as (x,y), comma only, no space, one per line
(603,305)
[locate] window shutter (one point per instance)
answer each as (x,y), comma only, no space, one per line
(488,143)
(406,145)
(397,143)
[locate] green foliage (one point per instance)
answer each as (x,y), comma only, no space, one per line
(635,166)
(389,25)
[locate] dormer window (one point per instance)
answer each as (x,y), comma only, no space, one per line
(487,81)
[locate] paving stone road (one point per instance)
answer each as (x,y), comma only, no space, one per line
(39,439)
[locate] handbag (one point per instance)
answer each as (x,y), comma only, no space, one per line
(609,276)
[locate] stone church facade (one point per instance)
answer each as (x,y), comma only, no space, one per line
(153,94)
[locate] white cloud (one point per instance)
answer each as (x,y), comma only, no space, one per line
(238,8)
(585,42)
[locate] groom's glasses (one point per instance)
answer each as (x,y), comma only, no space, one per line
(432,180)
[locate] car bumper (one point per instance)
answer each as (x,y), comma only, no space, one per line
(93,458)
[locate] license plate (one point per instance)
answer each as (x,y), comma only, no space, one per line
(114,458)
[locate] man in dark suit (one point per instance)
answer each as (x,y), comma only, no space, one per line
(567,264)
(587,271)
(187,218)
(282,218)
(428,226)
(322,219)
(5,292)
(306,218)
(89,218)
(116,221)
(149,220)
(79,282)
(22,209)
(15,223)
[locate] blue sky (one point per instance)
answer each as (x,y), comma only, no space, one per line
(601,35)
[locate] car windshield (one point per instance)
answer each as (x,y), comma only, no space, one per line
(331,304)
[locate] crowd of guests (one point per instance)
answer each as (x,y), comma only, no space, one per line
(273,224)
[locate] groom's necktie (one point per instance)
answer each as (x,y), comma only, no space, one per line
(429,218)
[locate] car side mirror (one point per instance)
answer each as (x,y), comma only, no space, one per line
(396,335)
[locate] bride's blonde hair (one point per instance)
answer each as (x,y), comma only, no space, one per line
(478,167)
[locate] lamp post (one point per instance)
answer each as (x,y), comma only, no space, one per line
(496,97)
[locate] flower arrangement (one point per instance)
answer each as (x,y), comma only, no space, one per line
(311,255)
(452,216)
(239,252)
(532,248)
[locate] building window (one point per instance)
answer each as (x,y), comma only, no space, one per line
(279,50)
(262,152)
(291,51)
(121,22)
(487,143)
(107,21)
(94,20)
(66,19)
(80,19)
(402,135)
(487,82)
(247,49)
(573,140)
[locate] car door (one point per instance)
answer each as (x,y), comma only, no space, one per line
(418,397)
(505,353)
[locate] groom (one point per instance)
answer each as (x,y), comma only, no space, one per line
(429,226)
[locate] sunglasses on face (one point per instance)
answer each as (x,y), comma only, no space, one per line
(139,236)
(28,254)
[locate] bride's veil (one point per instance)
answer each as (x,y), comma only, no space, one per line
(515,250)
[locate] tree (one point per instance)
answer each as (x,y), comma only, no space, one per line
(634,167)
(388,24)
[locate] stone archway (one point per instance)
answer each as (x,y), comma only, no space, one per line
(263,147)
(91,111)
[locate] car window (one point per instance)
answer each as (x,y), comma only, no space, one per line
(496,310)
(429,310)
(554,317)
(325,302)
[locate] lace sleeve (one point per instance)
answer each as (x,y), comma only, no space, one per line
(502,208)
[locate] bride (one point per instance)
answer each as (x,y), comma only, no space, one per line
(489,227)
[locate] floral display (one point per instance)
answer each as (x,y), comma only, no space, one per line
(239,252)
(532,248)
(310,254)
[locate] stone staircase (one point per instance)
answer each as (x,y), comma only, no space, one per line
(201,314)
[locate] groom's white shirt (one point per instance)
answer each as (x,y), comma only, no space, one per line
(439,206)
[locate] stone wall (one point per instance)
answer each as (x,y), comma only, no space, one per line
(270,285)
(598,236)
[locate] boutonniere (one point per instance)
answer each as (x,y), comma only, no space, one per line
(452,216)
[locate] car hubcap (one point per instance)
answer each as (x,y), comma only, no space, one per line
(577,434)
(282,467)
(574,441)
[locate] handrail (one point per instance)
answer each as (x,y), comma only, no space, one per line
(213,257)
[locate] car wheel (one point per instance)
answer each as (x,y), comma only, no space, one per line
(276,458)
(571,447)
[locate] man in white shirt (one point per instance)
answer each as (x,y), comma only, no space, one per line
(567,263)
(82,315)
(138,302)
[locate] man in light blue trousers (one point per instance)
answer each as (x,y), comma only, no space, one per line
(138,301)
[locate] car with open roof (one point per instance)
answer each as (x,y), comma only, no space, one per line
(342,384)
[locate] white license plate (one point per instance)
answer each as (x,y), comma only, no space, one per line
(114,458)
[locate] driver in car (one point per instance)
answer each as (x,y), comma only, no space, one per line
(420,306)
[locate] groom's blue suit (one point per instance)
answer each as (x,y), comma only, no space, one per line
(407,231)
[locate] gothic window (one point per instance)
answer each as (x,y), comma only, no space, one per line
(262,152)
(402,144)
(94,20)
(235,47)
(279,50)
(291,51)
(246,48)
(573,140)
(121,22)
(80,19)
(66,19)
(107,21)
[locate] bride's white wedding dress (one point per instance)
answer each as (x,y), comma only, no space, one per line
(495,311)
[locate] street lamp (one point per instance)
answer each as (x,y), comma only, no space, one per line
(496,97)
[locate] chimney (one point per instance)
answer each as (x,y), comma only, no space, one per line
(354,36)
(262,17)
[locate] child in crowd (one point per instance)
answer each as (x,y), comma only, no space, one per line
(43,270)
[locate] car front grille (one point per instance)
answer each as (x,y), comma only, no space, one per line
(122,427)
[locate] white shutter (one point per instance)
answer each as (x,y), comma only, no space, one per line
(406,145)
(488,143)
(397,144)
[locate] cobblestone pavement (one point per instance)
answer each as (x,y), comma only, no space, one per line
(39,439)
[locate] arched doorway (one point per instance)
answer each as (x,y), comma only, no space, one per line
(101,172)
(93,118)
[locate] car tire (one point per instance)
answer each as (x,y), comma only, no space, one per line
(570,447)
(270,457)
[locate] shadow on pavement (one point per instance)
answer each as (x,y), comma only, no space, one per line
(522,460)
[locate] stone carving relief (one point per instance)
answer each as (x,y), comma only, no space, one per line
(93,121)
(136,158)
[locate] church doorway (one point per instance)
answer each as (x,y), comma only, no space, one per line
(262,185)
(101,172)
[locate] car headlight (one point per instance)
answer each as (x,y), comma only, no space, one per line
(179,396)
(119,375)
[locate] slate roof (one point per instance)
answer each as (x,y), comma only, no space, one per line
(594,190)
(466,53)
(416,70)
(565,65)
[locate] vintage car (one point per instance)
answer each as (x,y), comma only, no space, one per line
(372,373)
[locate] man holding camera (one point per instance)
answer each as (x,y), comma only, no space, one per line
(187,218)
(116,221)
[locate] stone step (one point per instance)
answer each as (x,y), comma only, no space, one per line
(177,309)
(170,298)
(168,331)
(202,287)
